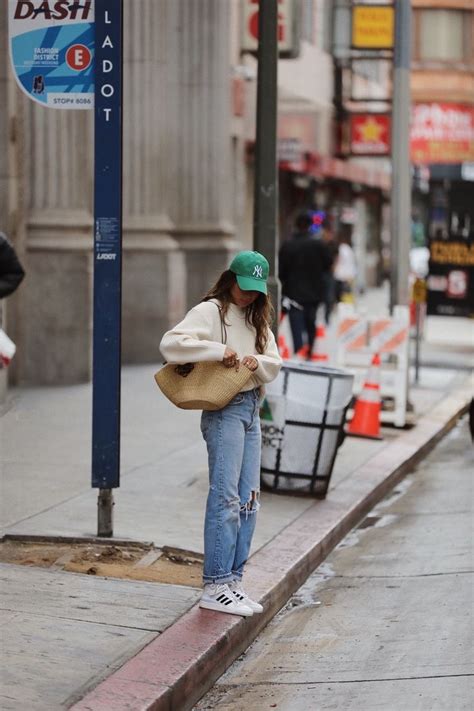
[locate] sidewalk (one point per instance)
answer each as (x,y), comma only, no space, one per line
(66,632)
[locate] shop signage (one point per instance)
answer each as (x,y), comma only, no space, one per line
(289,150)
(296,139)
(369,134)
(451,277)
(442,133)
(372,27)
(288,28)
(52,51)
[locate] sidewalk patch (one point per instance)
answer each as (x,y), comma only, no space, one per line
(165,565)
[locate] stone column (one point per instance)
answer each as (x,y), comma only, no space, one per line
(199,138)
(154,292)
(56,313)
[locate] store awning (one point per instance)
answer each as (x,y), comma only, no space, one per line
(328,167)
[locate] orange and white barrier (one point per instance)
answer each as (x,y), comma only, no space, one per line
(285,341)
(359,337)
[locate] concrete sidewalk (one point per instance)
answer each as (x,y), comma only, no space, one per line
(65,632)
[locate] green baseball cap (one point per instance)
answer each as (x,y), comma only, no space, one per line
(251,270)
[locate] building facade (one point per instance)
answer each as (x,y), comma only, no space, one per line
(178,208)
(189,129)
(442,83)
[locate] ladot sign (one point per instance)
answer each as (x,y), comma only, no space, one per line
(52,51)
(107,246)
(68,55)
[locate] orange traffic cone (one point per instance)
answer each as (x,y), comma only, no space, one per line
(320,350)
(366,419)
(283,347)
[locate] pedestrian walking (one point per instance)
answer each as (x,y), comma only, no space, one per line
(303,262)
(345,270)
(231,324)
(332,246)
(11,270)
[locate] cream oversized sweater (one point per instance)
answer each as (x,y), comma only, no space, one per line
(198,337)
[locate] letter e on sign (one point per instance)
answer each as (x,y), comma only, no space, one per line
(78,57)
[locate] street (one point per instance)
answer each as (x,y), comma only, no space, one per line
(136,638)
(386,621)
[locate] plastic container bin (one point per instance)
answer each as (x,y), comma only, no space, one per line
(302,420)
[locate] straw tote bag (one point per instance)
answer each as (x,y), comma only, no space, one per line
(207,385)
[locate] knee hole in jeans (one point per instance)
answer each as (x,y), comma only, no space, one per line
(252,505)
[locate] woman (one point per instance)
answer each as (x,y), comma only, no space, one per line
(231,325)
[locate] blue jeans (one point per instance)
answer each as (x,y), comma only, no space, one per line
(233,442)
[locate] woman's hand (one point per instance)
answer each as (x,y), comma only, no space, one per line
(231,359)
(250,362)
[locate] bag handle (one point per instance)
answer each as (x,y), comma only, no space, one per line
(223,328)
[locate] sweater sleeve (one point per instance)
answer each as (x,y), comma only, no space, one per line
(269,363)
(193,340)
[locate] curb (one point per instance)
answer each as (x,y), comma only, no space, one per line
(179,666)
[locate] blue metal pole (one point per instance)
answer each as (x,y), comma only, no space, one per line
(107,257)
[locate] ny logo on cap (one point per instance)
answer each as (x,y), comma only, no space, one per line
(257,272)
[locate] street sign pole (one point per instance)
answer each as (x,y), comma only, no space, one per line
(107,258)
(265,224)
(401,173)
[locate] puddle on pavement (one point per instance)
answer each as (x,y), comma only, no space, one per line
(156,565)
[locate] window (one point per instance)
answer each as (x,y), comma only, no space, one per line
(442,36)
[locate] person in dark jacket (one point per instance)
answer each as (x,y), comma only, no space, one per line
(329,289)
(11,271)
(303,261)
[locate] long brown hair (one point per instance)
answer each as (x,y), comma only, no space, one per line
(259,314)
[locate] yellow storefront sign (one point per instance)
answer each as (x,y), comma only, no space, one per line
(372,26)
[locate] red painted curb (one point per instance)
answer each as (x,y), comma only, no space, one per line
(180,665)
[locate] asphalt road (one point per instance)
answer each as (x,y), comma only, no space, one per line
(386,622)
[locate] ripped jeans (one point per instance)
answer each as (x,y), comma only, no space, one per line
(233,442)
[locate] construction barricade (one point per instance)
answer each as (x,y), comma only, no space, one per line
(359,337)
(302,419)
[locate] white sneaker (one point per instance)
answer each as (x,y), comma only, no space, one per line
(218,597)
(240,594)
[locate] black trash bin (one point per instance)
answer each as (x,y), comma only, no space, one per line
(302,420)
